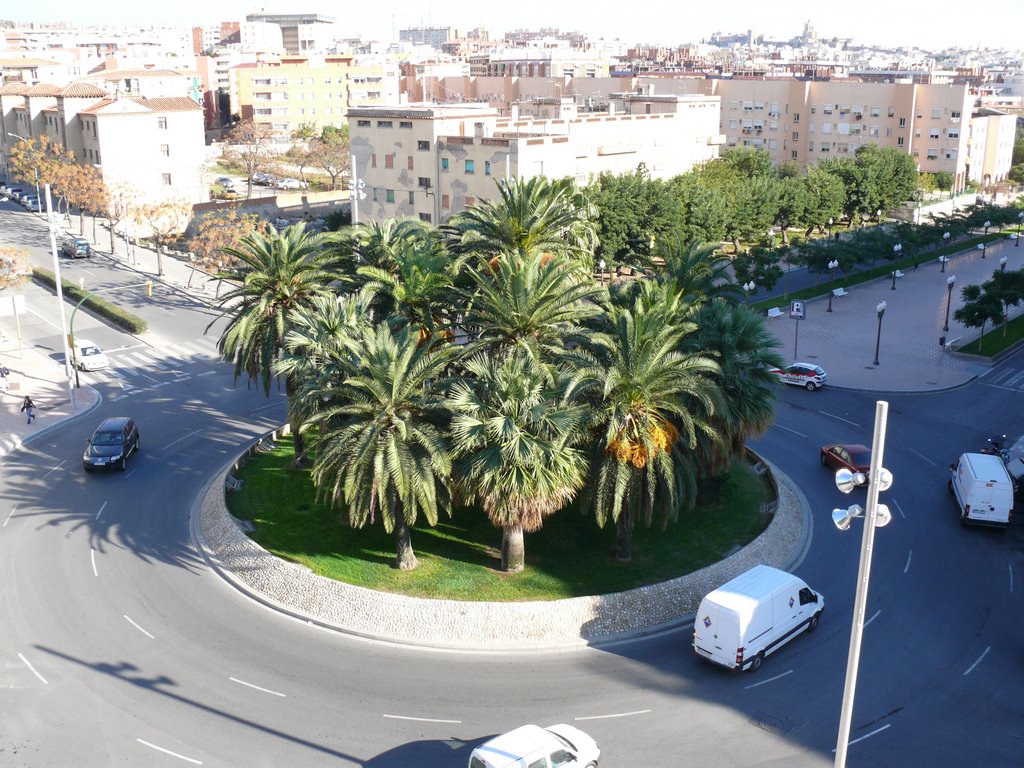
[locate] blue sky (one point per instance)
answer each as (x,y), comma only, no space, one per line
(997,23)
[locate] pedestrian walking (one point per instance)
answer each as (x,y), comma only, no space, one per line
(4,383)
(28,408)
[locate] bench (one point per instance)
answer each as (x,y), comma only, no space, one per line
(899,273)
(774,312)
(232,483)
(943,259)
(840,292)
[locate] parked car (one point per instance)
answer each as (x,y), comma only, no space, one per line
(851,456)
(76,248)
(114,440)
(89,357)
(263,179)
(531,745)
(806,375)
(290,184)
(29,202)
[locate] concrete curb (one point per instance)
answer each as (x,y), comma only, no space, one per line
(9,445)
(481,627)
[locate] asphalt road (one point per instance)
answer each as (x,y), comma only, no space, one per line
(119,646)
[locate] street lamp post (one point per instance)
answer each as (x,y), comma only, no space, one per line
(981,247)
(875,516)
(60,293)
(944,257)
(950,282)
(984,242)
(749,288)
(880,309)
(832,273)
(1020,220)
(1002,264)
(602,265)
(896,250)
(771,240)
(831,221)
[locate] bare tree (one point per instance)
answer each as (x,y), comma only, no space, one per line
(166,221)
(250,145)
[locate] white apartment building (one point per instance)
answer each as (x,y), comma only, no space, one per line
(990,146)
(431,161)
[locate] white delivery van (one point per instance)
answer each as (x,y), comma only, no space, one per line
(753,615)
(531,746)
(983,489)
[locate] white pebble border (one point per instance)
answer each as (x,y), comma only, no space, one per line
(543,625)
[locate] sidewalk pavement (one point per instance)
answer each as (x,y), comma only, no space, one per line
(910,358)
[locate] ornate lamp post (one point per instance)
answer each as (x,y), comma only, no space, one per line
(984,242)
(602,265)
(832,272)
(1002,264)
(896,250)
(1020,220)
(950,282)
(880,309)
(830,222)
(749,287)
(944,257)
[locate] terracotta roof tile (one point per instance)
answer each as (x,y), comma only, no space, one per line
(44,89)
(13,89)
(172,104)
(81,90)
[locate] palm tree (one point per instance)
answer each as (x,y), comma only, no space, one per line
(650,403)
(696,270)
(381,450)
(514,445)
(537,303)
(533,216)
(276,273)
(745,351)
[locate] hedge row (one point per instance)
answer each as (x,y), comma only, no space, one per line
(119,317)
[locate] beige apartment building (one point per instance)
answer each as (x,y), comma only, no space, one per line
(155,146)
(304,90)
(431,161)
(990,146)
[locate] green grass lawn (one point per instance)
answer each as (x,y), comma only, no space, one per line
(994,342)
(459,559)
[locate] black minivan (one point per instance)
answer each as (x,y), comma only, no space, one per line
(111,444)
(76,247)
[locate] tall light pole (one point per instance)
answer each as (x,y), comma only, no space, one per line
(1002,264)
(832,273)
(950,282)
(1020,221)
(602,265)
(984,242)
(60,293)
(749,287)
(880,309)
(944,257)
(39,202)
(896,249)
(875,516)
(831,221)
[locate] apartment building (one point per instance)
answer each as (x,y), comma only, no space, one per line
(431,161)
(153,145)
(301,33)
(303,90)
(990,146)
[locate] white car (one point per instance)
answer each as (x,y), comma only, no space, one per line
(806,375)
(89,357)
(290,184)
(531,745)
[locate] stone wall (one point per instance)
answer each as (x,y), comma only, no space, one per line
(478,625)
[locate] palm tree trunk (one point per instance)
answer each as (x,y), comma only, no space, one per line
(513,550)
(624,535)
(405,557)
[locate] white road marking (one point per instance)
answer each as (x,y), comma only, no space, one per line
(873,617)
(907,566)
(801,434)
(770,679)
(838,418)
(263,407)
(1000,386)
(1010,567)
(101,510)
(922,456)
(29,665)
(92,554)
(899,508)
(13,510)
(205,373)
(168,752)
(868,735)
(130,473)
(54,470)
(186,437)
(422,719)
(162,384)
(619,714)
(983,655)
(138,627)
(258,688)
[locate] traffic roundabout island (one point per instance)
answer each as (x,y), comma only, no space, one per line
(484,626)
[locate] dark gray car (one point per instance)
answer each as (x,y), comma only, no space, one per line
(114,440)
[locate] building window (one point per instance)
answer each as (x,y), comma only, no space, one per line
(165,150)
(405,124)
(444,164)
(425,217)
(409,163)
(796,135)
(389,161)
(792,154)
(423,145)
(954,115)
(470,201)
(376,196)
(876,111)
(933,133)
(796,117)
(487,167)
(899,141)
(470,166)
(412,197)
(373,160)
(953,133)
(167,179)
(161,123)
(363,123)
(390,196)
(933,154)
(384,124)
(423,182)
(936,113)
(903,122)
(445,201)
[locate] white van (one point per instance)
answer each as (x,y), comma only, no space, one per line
(753,615)
(531,746)
(983,489)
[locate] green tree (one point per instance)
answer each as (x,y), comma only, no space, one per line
(979,308)
(381,451)
(826,198)
(273,275)
(634,213)
(513,439)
